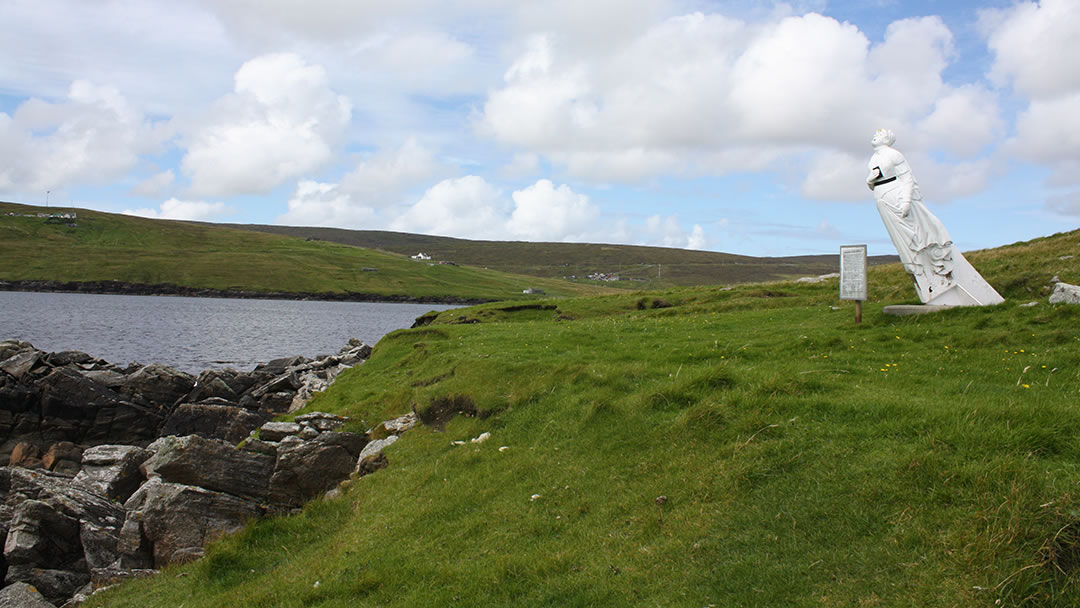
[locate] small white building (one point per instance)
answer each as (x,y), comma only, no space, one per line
(421,257)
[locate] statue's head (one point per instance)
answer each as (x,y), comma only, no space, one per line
(883,137)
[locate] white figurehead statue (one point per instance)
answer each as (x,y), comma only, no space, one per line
(942,275)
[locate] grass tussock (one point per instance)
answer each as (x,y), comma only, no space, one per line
(733,449)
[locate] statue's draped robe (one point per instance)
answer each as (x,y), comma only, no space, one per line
(921,240)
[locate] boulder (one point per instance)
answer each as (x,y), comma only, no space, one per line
(111,471)
(356,348)
(276,431)
(322,421)
(211,464)
(271,405)
(175,519)
(371,458)
(63,457)
(279,366)
(212,421)
(401,424)
(136,551)
(12,347)
(124,422)
(308,469)
(109,377)
(287,382)
(43,549)
(73,357)
(1065,293)
(26,455)
(20,364)
(76,408)
(72,400)
(158,384)
(215,383)
(59,492)
(22,595)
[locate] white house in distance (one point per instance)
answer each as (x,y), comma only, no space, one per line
(420,257)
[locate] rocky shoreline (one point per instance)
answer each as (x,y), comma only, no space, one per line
(169,289)
(112,473)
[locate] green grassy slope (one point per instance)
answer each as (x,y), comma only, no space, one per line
(113,247)
(650,267)
(694,447)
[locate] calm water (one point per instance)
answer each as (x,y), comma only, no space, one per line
(194,334)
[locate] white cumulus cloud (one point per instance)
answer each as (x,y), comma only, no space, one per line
(709,94)
(91,137)
(466,207)
(381,179)
(156,184)
(321,204)
(668,232)
(1034,51)
(543,212)
(281,122)
(175,209)
(1034,46)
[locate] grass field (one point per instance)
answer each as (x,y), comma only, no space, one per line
(109,247)
(699,447)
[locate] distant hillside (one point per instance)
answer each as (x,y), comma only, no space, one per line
(114,252)
(656,266)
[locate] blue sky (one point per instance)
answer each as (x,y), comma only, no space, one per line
(734,126)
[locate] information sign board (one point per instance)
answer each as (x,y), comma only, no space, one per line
(853,272)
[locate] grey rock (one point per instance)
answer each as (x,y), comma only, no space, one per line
(1065,293)
(20,364)
(42,535)
(371,458)
(158,384)
(10,347)
(322,421)
(81,595)
(73,357)
(111,471)
(212,421)
(308,433)
(211,464)
(136,551)
(308,469)
(279,366)
(176,518)
(221,384)
(401,424)
(100,544)
(63,457)
(43,549)
(276,431)
(261,447)
(54,585)
(22,595)
(274,404)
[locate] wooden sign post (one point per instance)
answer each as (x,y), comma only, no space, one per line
(853,276)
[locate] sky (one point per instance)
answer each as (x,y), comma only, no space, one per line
(739,126)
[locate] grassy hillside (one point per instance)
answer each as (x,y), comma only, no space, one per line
(649,267)
(109,247)
(694,447)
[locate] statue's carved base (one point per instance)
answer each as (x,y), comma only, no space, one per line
(967,287)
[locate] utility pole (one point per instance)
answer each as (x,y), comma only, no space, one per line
(47,198)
